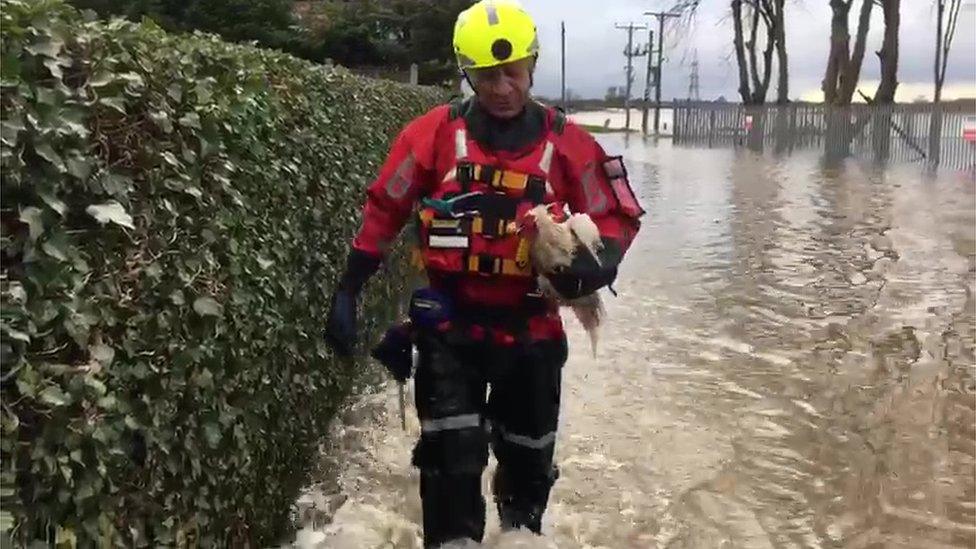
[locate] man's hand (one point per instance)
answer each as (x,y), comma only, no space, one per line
(583,276)
(341,331)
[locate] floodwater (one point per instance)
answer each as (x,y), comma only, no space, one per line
(789,363)
(617,119)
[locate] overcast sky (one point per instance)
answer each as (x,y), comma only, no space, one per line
(595,60)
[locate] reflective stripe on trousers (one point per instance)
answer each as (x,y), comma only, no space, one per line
(528,442)
(448,423)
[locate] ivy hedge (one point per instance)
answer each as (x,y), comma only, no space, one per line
(174,213)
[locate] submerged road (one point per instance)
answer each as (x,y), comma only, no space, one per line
(789,363)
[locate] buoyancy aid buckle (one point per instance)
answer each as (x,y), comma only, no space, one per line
(490,265)
(531,187)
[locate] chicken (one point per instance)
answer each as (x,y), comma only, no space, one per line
(553,245)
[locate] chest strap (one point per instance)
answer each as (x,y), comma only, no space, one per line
(532,187)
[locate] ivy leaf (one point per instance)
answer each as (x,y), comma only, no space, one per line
(54,396)
(73,123)
(47,152)
(54,202)
(110,212)
(207,306)
(174,92)
(17,335)
(33,217)
(103,354)
(9,130)
(211,432)
(115,103)
(79,167)
(177,298)
(190,120)
(55,249)
(49,46)
(101,78)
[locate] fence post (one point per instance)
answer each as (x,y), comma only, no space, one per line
(711,127)
(935,133)
(676,123)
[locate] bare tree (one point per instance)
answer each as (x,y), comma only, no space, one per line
(755,76)
(783,84)
(755,24)
(888,55)
(843,65)
(945,32)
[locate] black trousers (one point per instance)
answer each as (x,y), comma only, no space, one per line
(517,418)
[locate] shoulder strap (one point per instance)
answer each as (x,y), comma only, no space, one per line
(558,121)
(457,107)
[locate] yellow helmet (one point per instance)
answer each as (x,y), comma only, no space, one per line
(492,32)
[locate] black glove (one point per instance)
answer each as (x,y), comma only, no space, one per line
(341,331)
(585,275)
(395,352)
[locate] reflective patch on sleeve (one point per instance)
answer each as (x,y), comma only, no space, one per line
(596,200)
(614,167)
(401,180)
(616,172)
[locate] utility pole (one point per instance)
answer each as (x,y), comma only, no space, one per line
(647,82)
(562,57)
(661,16)
(693,92)
(631,53)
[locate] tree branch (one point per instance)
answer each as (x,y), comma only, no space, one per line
(754,72)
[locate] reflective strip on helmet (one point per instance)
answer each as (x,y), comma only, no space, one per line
(492,13)
(450,423)
(546,158)
(460,144)
(528,442)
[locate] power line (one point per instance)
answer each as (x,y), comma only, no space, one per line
(631,52)
(647,83)
(562,61)
(661,16)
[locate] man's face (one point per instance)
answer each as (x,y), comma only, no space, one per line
(503,91)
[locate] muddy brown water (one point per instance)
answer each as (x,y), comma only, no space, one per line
(789,363)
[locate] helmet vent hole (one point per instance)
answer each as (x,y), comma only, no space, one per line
(501,49)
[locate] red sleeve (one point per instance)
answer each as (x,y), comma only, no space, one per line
(407,174)
(589,188)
